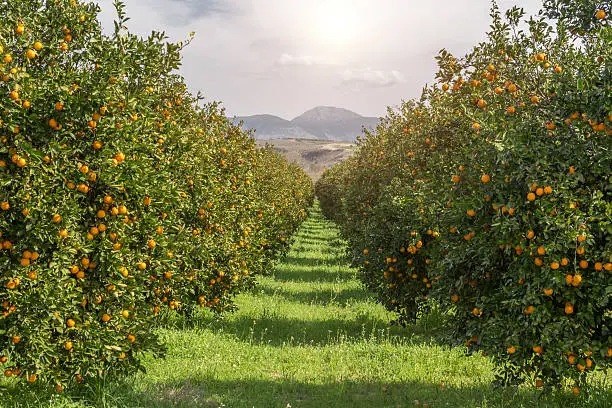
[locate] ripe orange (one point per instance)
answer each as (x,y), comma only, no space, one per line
(106,317)
(485,178)
(511,350)
(531,197)
(569,308)
(600,15)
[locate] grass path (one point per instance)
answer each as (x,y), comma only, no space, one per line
(310,336)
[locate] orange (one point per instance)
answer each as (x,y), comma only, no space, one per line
(510,110)
(30,54)
(584,264)
(56,218)
(485,178)
(569,308)
(600,15)
(106,317)
(471,213)
(576,280)
(554,265)
(511,350)
(534,99)
(531,197)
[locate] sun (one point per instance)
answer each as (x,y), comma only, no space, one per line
(335,23)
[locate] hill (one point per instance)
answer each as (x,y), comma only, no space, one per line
(321,123)
(314,156)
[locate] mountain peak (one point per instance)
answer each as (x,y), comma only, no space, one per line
(327,113)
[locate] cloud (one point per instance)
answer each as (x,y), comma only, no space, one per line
(370,78)
(179,12)
(288,59)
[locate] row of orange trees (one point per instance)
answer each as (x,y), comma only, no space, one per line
(121,195)
(491,196)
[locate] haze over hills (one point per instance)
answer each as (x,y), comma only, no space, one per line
(321,123)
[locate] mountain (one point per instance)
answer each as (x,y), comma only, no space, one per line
(322,123)
(272,127)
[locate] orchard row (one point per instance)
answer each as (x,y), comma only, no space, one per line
(491,196)
(122,195)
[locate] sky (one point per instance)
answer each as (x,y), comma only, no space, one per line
(283,57)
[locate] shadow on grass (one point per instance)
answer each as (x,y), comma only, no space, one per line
(283,392)
(279,390)
(316,296)
(270,328)
(312,274)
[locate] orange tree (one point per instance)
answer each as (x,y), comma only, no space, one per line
(492,194)
(120,194)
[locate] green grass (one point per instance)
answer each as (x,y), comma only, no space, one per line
(309,336)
